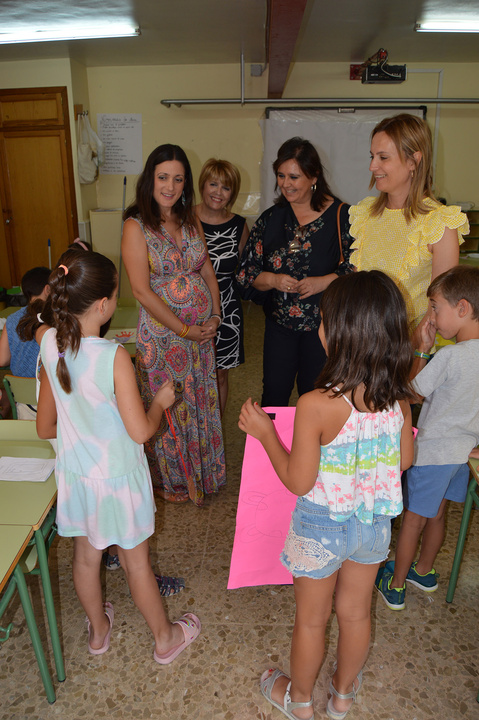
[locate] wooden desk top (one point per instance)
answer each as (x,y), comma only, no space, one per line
(26,503)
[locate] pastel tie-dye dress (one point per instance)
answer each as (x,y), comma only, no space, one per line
(359,471)
(103,479)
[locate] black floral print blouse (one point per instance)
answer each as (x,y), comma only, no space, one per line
(270,248)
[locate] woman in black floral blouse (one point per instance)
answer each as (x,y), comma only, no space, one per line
(293,253)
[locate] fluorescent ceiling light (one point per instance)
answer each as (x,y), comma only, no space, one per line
(69,33)
(451,26)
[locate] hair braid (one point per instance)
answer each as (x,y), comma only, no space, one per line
(65,323)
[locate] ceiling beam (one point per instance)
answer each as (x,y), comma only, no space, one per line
(285,18)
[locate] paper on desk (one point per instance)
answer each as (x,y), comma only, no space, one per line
(15,469)
(127,335)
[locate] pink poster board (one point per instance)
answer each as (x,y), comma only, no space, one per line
(264,513)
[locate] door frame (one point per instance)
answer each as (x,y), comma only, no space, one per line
(18,125)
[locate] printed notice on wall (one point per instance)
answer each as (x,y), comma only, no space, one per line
(121,135)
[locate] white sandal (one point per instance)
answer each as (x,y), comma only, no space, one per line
(268,679)
(331,711)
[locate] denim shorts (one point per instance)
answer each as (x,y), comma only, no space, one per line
(427,486)
(316,546)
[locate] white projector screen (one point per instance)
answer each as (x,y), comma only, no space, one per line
(341,137)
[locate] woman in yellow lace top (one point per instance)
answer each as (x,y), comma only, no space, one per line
(405,232)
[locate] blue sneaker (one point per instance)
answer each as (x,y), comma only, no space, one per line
(111,562)
(393,597)
(427,582)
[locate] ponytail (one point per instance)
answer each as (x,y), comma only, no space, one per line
(66,324)
(28,324)
(75,285)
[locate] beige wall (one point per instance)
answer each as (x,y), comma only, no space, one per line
(233,131)
(80,94)
(230,132)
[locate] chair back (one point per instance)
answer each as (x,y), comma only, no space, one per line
(8,311)
(21,390)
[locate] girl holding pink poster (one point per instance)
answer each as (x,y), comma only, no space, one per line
(352,437)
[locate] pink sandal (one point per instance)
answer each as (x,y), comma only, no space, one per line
(106,643)
(191,627)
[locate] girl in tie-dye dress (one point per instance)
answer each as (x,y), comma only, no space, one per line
(89,400)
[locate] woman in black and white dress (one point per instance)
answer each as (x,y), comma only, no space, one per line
(226,234)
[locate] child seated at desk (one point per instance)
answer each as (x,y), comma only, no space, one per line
(21,355)
(448,429)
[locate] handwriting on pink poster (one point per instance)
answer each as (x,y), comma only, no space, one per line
(264,513)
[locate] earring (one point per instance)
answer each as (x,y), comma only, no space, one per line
(313,188)
(183,198)
(412,174)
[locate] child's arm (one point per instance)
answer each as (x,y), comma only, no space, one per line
(5,354)
(427,338)
(297,470)
(46,410)
(139,425)
(407,439)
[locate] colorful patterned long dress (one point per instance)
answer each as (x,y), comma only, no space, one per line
(186,461)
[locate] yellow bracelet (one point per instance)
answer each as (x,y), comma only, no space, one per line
(184,331)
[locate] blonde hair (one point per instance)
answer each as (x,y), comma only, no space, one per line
(410,135)
(224,172)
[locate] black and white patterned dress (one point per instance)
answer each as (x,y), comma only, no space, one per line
(223,241)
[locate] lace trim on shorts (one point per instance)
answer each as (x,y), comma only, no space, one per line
(305,554)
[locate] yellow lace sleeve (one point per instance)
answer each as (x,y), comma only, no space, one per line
(442,217)
(358,216)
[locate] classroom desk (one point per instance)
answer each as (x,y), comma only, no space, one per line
(124,321)
(28,503)
(13,541)
(466,259)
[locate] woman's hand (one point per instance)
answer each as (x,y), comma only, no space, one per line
(202,333)
(285,283)
(254,421)
(212,324)
(311,286)
(165,396)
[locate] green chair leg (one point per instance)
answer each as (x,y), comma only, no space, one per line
(48,595)
(32,627)
(470,499)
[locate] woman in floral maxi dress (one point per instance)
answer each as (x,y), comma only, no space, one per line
(172,277)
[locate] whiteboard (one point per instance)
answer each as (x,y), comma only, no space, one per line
(340,135)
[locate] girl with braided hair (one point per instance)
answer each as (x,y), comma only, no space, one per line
(89,400)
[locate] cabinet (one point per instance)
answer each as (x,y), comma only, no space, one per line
(471,241)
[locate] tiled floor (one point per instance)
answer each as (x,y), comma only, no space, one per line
(423,663)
